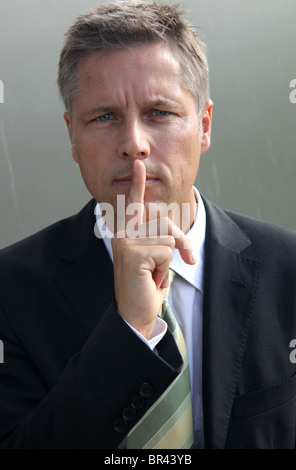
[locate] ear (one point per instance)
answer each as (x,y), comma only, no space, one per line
(69,127)
(206,121)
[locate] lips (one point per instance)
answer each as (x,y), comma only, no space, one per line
(151,180)
(128,179)
(122,179)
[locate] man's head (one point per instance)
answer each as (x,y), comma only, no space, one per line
(128,24)
(134,79)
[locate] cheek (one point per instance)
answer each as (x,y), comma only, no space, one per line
(92,163)
(91,153)
(187,156)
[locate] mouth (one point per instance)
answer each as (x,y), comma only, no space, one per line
(127,180)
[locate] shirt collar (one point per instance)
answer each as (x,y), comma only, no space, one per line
(191,273)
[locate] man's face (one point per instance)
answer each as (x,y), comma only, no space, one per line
(131,105)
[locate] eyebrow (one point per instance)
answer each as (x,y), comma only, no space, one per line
(152,103)
(158,102)
(96,110)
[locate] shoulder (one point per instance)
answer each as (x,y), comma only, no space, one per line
(44,245)
(275,246)
(263,237)
(265,233)
(31,246)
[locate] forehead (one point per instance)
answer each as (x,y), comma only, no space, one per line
(138,71)
(151,55)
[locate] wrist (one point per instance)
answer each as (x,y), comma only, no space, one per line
(143,330)
(158,332)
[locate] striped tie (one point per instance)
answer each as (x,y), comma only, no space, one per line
(168,422)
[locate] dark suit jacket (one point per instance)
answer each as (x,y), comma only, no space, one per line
(72,367)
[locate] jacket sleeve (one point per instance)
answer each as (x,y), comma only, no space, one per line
(102,392)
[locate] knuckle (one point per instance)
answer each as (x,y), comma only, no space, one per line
(171,242)
(167,252)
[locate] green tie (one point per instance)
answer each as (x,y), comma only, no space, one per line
(168,422)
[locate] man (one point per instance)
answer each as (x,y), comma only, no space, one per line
(87,357)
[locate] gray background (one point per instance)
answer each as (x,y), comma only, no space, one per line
(251,165)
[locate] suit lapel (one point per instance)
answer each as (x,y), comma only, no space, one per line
(86,280)
(230,286)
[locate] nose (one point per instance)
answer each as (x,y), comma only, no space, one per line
(134,142)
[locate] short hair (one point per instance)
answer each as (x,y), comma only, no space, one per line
(127,24)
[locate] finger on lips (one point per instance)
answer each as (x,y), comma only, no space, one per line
(158,231)
(137,188)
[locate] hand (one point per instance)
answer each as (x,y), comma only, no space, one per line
(141,264)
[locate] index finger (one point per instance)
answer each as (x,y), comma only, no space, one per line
(137,189)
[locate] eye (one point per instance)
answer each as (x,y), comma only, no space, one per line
(104,117)
(160,113)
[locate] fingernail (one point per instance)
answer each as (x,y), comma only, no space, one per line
(193,258)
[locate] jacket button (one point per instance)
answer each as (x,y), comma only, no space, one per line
(146,390)
(120,425)
(138,402)
(129,414)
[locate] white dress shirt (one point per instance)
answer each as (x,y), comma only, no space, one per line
(186,301)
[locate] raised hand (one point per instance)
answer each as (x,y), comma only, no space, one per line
(141,264)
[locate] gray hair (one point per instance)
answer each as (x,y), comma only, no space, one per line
(127,24)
